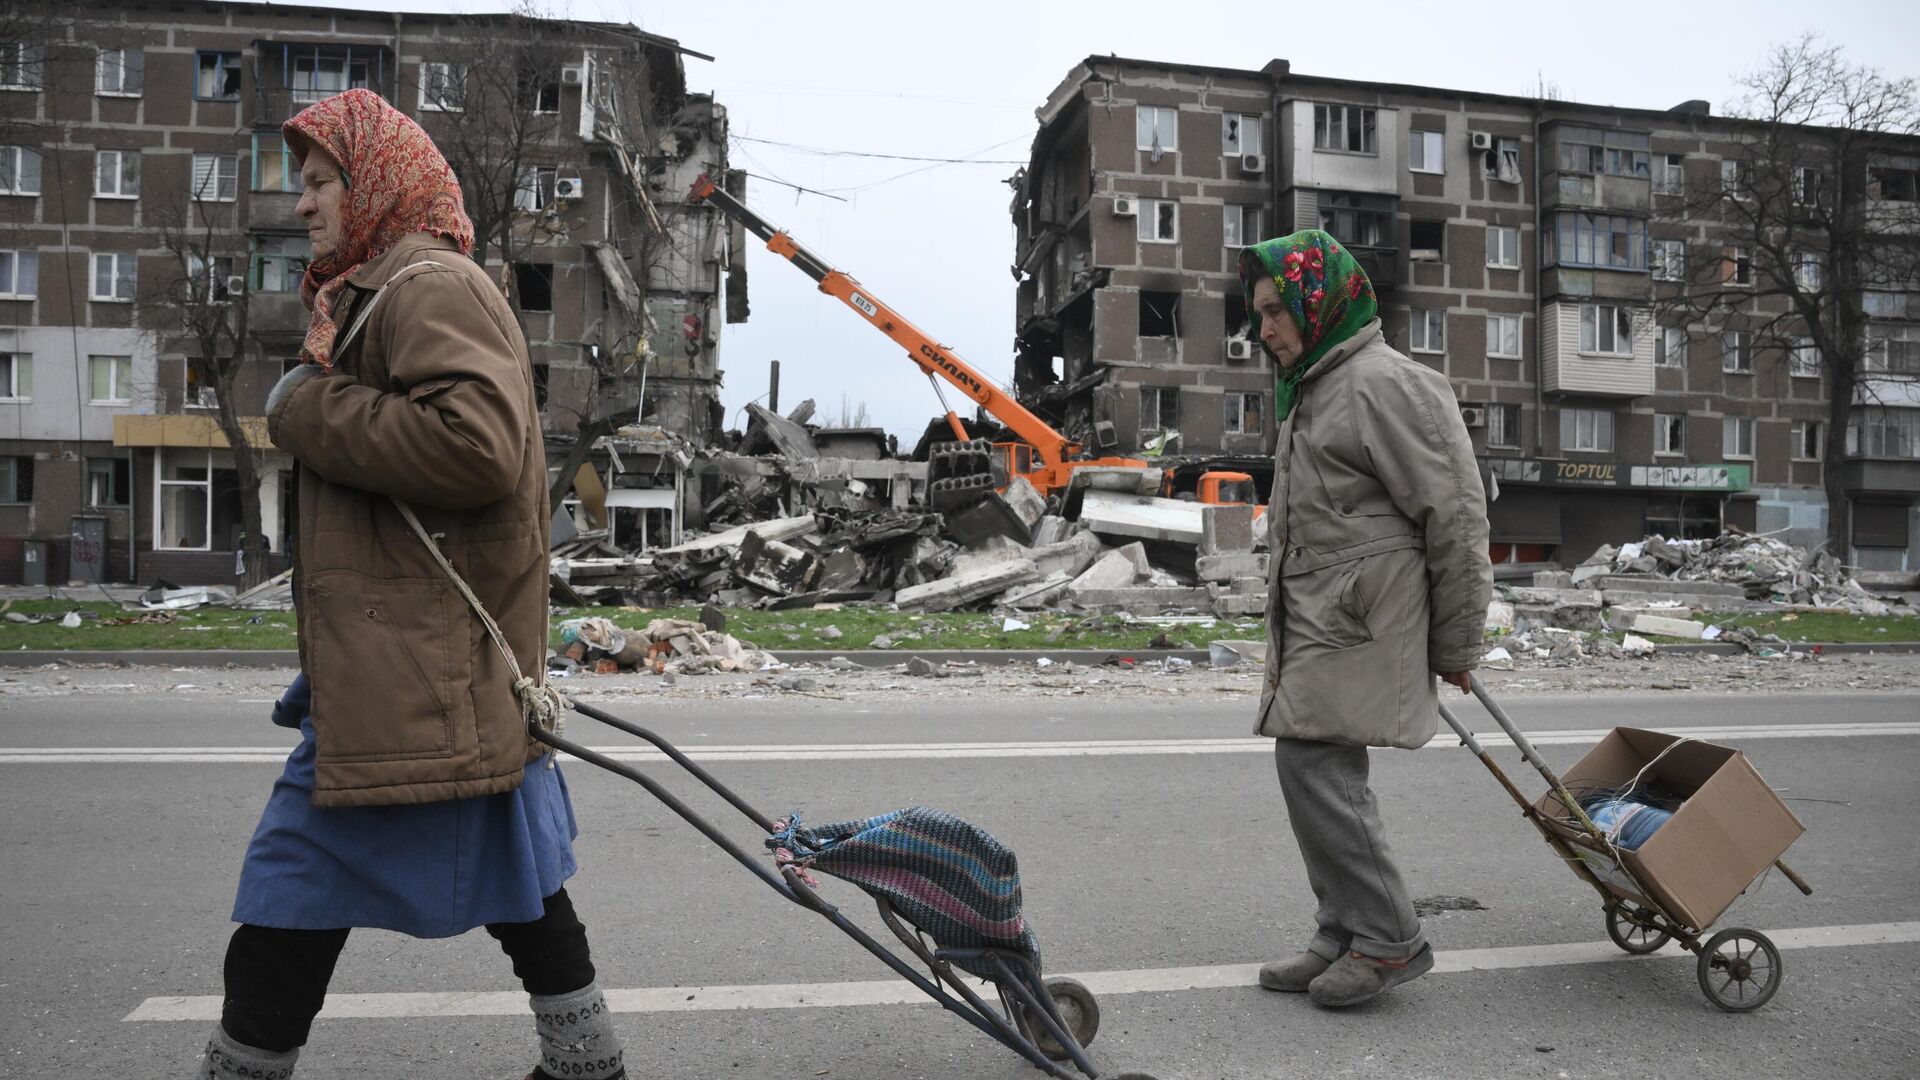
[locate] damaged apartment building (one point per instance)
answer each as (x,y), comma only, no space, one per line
(123,123)
(1522,246)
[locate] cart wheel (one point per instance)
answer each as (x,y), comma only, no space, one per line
(1739,970)
(1626,928)
(1079,1014)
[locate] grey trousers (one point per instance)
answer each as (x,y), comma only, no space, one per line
(1364,905)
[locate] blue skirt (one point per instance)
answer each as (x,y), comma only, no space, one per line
(430,870)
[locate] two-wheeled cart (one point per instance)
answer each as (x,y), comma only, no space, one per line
(1738,969)
(1047,1021)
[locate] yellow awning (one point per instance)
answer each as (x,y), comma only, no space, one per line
(185,430)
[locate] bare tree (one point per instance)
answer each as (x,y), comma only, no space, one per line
(1802,225)
(201,304)
(852,414)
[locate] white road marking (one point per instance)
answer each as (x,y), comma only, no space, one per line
(898,992)
(630,752)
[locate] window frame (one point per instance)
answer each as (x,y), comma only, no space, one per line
(1574,418)
(137,70)
(30,61)
(1238,213)
(1803,359)
(132,278)
(257,261)
(1149,216)
(19,171)
(1814,281)
(17,386)
(1496,337)
(1670,175)
(1604,149)
(1228,143)
(1504,426)
(19,258)
(451,73)
(1736,266)
(1498,252)
(1426,319)
(1620,334)
(116,365)
(113,464)
(1234,422)
(1670,434)
(160,492)
(1428,141)
(1503,145)
(540,194)
(121,179)
(1350,115)
(1161,401)
(201,68)
(1797,440)
(10,467)
(1731,430)
(1736,353)
(1151,128)
(1662,267)
(194,194)
(289,167)
(1665,355)
(1572,228)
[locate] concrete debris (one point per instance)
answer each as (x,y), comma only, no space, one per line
(665,647)
(1226,530)
(1145,517)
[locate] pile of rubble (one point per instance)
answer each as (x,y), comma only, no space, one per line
(665,647)
(1656,585)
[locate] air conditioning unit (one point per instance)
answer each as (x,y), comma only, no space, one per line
(1239,348)
(573,74)
(1253,163)
(236,284)
(568,187)
(1474,415)
(1124,206)
(1482,140)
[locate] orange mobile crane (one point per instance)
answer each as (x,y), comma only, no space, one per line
(1044,456)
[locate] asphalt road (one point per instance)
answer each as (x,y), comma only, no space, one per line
(1140,863)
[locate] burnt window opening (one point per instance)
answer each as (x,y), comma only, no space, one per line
(1159,409)
(1159,314)
(1426,240)
(542,373)
(1237,315)
(534,283)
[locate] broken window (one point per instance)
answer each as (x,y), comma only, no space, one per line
(1670,433)
(1594,151)
(16,479)
(1809,440)
(443,87)
(1357,220)
(1426,240)
(1736,265)
(1502,161)
(217,76)
(1893,185)
(1503,426)
(1427,151)
(534,283)
(1245,414)
(1348,128)
(1159,314)
(539,91)
(1736,353)
(1669,260)
(1734,178)
(1236,315)
(1156,128)
(1608,242)
(1158,221)
(1159,409)
(535,189)
(1803,359)
(1808,184)
(1239,134)
(1669,175)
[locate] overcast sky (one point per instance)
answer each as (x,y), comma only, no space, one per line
(962,81)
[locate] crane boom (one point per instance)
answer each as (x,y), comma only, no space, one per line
(1053,449)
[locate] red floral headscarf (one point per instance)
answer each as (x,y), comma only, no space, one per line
(397,184)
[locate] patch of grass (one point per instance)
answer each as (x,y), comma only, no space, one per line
(1824,627)
(859,626)
(222,628)
(204,628)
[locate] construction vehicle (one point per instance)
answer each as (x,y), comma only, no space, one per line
(956,474)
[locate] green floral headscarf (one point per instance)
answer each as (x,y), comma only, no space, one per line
(1328,293)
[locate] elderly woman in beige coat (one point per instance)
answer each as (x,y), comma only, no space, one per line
(1379,583)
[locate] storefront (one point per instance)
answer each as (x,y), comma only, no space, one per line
(1560,511)
(187,499)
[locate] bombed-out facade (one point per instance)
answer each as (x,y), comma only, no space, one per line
(126,126)
(1530,249)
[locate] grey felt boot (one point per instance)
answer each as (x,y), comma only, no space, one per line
(1292,976)
(1355,978)
(576,1036)
(229,1060)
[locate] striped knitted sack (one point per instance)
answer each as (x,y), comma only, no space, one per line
(949,878)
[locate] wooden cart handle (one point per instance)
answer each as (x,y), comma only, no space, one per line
(1798,881)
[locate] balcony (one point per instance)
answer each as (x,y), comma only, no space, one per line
(272,313)
(1596,350)
(1355,148)
(1879,476)
(1597,169)
(289,76)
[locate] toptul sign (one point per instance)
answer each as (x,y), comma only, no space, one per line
(1723,477)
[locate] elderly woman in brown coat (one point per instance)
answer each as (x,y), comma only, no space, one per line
(1379,583)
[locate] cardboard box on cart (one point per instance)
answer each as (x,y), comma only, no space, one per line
(1729,830)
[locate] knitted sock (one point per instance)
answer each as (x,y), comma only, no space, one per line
(229,1060)
(576,1035)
